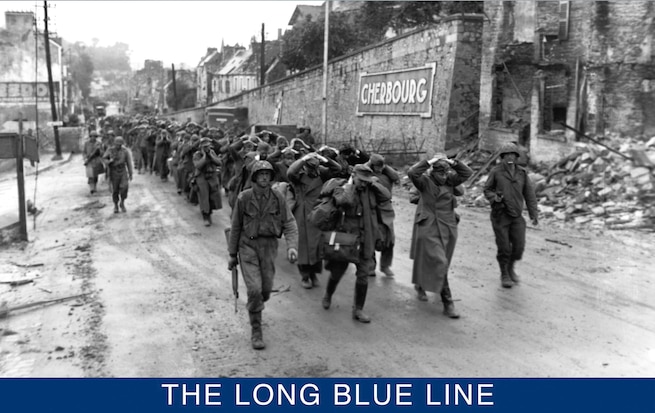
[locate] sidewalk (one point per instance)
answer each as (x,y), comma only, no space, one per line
(9,184)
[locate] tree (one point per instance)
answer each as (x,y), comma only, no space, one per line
(373,20)
(114,57)
(415,14)
(82,72)
(303,45)
(186,96)
(351,30)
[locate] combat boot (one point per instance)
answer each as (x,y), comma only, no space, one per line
(360,299)
(512,274)
(449,310)
(447,300)
(123,206)
(505,281)
(420,293)
(257,336)
(115,208)
(329,290)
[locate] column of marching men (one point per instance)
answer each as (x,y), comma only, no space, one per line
(332,205)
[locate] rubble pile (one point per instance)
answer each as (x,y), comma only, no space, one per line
(596,186)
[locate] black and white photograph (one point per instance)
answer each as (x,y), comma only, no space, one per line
(327,189)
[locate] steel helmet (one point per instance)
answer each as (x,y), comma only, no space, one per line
(509,148)
(259,166)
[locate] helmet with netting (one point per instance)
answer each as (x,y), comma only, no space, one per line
(259,166)
(509,148)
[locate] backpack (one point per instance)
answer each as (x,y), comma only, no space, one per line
(325,215)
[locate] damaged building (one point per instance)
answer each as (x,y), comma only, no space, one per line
(549,66)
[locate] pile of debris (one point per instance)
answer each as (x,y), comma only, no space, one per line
(608,186)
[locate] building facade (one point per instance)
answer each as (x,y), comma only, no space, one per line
(242,71)
(24,74)
(546,64)
(147,89)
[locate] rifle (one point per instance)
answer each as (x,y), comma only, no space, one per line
(235,275)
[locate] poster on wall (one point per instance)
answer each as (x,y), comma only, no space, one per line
(397,92)
(26,91)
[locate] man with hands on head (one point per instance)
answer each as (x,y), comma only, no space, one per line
(207,167)
(359,199)
(260,216)
(434,234)
(307,176)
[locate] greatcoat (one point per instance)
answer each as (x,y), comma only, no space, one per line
(434,234)
(307,191)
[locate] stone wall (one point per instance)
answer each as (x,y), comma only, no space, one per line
(454,44)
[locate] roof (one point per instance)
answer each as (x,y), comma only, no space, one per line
(210,58)
(303,10)
(235,62)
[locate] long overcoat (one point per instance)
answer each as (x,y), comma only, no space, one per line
(307,191)
(434,234)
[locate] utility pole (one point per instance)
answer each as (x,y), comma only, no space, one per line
(53,107)
(325,70)
(20,174)
(262,63)
(174,88)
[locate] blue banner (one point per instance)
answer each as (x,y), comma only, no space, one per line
(327,395)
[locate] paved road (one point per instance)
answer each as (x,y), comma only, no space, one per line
(162,304)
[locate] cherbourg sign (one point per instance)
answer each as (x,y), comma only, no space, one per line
(397,92)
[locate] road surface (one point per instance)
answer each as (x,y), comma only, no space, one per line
(160,301)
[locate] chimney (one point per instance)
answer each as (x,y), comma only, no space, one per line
(279,34)
(19,21)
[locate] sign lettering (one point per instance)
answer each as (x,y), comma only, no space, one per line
(400,92)
(17,92)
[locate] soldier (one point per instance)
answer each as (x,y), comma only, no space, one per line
(120,170)
(387,177)
(434,234)
(93,160)
(508,189)
(259,218)
(307,176)
(207,164)
(185,165)
(359,200)
(162,151)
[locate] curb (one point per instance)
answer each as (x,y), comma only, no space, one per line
(40,170)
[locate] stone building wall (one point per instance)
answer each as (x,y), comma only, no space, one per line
(22,63)
(148,84)
(600,75)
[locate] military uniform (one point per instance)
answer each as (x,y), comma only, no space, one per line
(120,171)
(259,218)
(508,189)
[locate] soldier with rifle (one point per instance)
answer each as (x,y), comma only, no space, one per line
(260,216)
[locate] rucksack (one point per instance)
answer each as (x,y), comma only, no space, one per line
(325,215)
